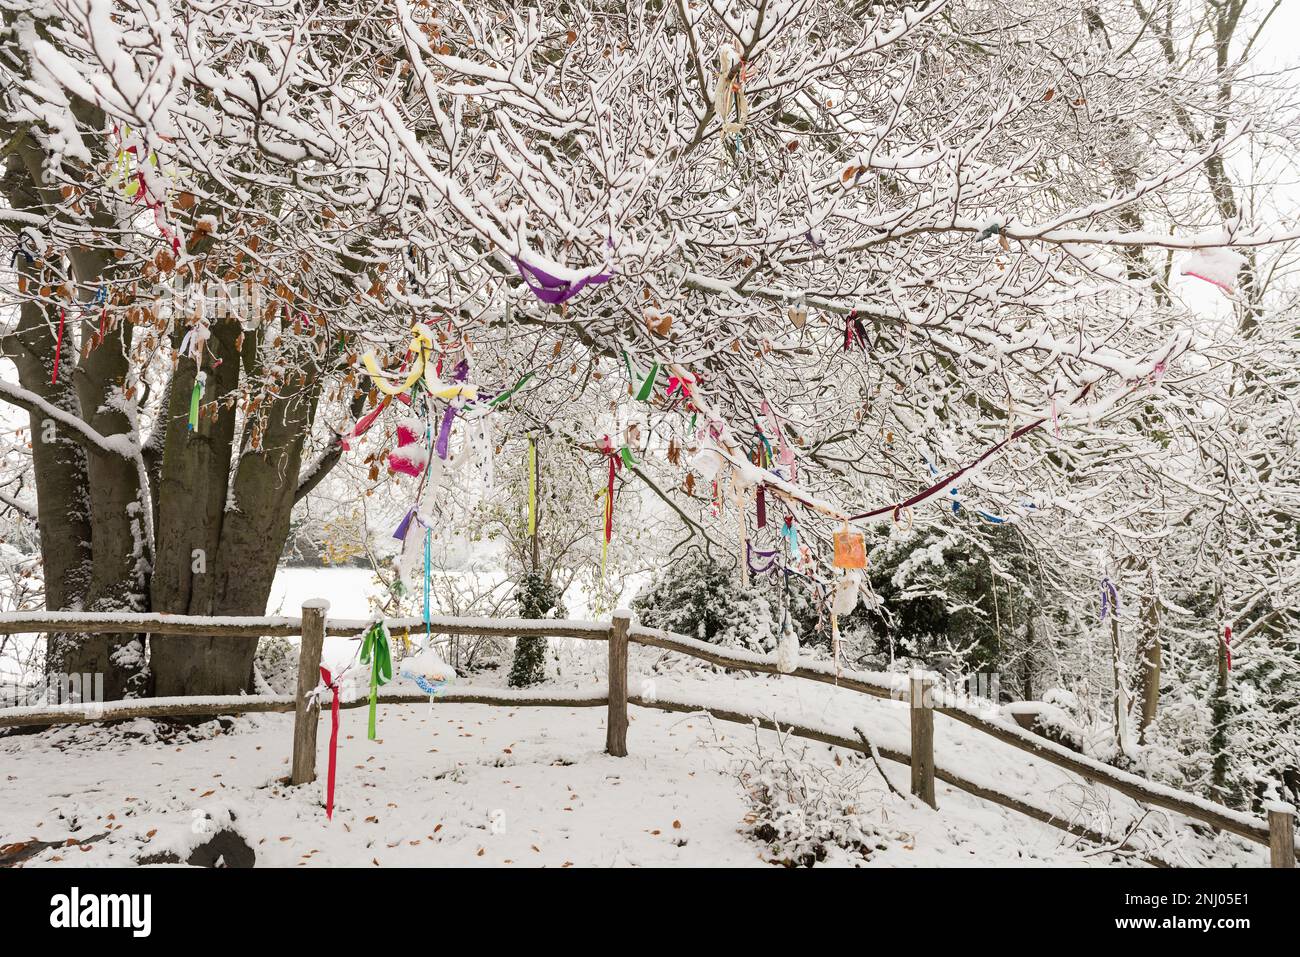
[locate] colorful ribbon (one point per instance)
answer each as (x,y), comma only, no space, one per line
(616,459)
(376,653)
(643,388)
(553,290)
(404,525)
(58,347)
(444,430)
(768,557)
(334,743)
(785,454)
(855,333)
(956,502)
(1227,645)
(428,564)
(501,397)
(1109,598)
(136,188)
(791,534)
(364,423)
(196,396)
(675,384)
(26,247)
(417,353)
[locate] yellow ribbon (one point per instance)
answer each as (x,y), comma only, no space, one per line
(604,542)
(420,347)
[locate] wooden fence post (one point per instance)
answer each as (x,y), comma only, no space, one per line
(922,710)
(1281,833)
(307,712)
(616,722)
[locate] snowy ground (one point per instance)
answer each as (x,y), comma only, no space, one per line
(504,786)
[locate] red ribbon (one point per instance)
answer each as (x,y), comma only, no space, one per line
(922,495)
(1227,644)
(334,743)
(615,463)
(363,424)
(762,508)
(58,348)
(854,331)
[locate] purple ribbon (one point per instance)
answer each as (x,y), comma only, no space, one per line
(754,567)
(1109,598)
(444,430)
(551,289)
(404,526)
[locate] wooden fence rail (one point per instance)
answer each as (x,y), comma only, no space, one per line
(919,691)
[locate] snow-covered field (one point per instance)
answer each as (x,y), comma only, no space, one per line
(452,784)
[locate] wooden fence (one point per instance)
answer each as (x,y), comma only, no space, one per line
(924,695)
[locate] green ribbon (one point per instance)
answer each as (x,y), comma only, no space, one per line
(628,460)
(196,395)
(647,384)
(376,653)
(497,400)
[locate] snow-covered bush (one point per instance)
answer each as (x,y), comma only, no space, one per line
(956,597)
(537,598)
(698,597)
(277,664)
(804,811)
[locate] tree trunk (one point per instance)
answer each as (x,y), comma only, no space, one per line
(1149,662)
(1219,733)
(92,548)
(1121,693)
(170,529)
(249,527)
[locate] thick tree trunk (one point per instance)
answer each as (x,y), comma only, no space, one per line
(83,558)
(62,505)
(216,536)
(249,531)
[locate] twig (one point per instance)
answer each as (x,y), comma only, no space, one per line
(875,759)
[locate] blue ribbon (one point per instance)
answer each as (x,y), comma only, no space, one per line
(956,502)
(428,548)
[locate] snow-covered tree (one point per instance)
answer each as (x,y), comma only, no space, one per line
(870,241)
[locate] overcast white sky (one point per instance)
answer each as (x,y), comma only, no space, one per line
(1278,45)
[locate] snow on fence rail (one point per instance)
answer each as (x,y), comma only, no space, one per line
(279,626)
(1277,832)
